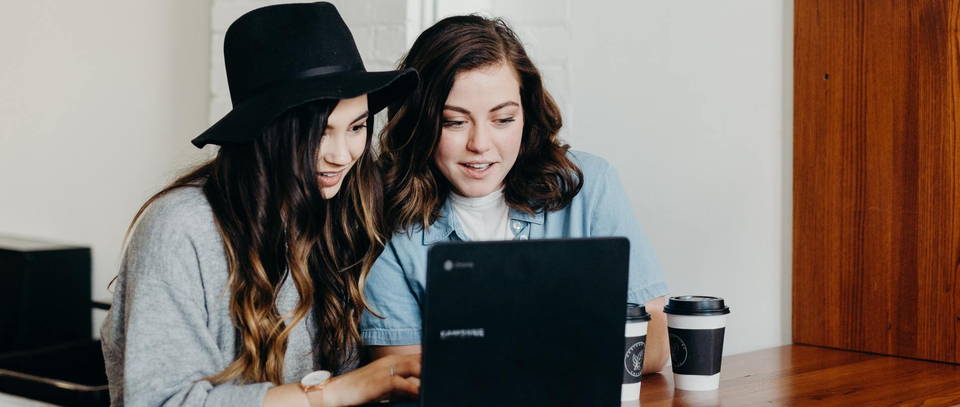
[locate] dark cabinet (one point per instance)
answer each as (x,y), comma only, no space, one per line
(44,294)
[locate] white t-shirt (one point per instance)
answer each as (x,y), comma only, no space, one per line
(483,218)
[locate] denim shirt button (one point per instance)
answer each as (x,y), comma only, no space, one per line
(516,225)
(523,237)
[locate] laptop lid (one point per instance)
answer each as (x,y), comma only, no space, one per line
(520,323)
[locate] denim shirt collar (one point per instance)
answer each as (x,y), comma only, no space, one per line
(447,224)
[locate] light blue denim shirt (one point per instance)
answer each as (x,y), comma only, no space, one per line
(395,286)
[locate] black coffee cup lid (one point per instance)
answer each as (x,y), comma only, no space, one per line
(637,312)
(696,305)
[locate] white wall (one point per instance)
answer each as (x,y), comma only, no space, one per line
(100,100)
(688,101)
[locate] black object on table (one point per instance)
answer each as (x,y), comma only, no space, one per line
(46,349)
(44,294)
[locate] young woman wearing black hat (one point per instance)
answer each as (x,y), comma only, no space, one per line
(474,154)
(242,279)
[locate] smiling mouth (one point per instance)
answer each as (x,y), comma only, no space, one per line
(480,167)
(329,179)
(476,170)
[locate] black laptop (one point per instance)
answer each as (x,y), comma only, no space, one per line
(525,323)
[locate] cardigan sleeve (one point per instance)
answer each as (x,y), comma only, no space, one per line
(157,344)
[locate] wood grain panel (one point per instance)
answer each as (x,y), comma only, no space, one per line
(876,246)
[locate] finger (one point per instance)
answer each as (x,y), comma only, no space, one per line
(405,388)
(410,368)
(414,380)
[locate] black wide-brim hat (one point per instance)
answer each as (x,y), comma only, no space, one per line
(279,57)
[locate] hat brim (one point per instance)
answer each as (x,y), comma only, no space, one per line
(250,117)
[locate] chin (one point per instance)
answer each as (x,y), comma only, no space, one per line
(331,192)
(477,191)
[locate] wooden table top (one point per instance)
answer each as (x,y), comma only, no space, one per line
(799,375)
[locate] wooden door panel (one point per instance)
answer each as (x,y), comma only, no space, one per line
(876,174)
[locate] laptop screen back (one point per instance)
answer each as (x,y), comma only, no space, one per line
(519,323)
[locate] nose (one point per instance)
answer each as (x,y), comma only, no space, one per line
(479,140)
(333,149)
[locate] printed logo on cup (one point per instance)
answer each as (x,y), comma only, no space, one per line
(633,359)
(678,351)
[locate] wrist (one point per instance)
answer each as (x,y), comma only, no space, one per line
(315,399)
(314,387)
(329,395)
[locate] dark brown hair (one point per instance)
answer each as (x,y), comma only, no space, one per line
(543,177)
(271,216)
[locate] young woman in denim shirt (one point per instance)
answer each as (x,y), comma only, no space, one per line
(474,155)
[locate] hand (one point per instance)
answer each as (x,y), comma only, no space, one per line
(374,382)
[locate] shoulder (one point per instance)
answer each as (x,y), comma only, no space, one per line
(175,234)
(407,249)
(183,211)
(587,161)
(593,167)
(408,239)
(596,170)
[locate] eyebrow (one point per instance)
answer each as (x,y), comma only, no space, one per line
(361,117)
(495,108)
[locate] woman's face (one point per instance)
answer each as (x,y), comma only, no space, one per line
(343,142)
(482,129)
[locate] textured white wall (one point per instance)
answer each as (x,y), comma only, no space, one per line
(100,100)
(379,28)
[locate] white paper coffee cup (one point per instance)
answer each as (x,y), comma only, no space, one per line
(696,326)
(635,341)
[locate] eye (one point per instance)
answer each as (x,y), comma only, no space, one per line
(358,128)
(454,124)
(505,121)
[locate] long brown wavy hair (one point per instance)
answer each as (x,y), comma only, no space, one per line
(543,177)
(272,218)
